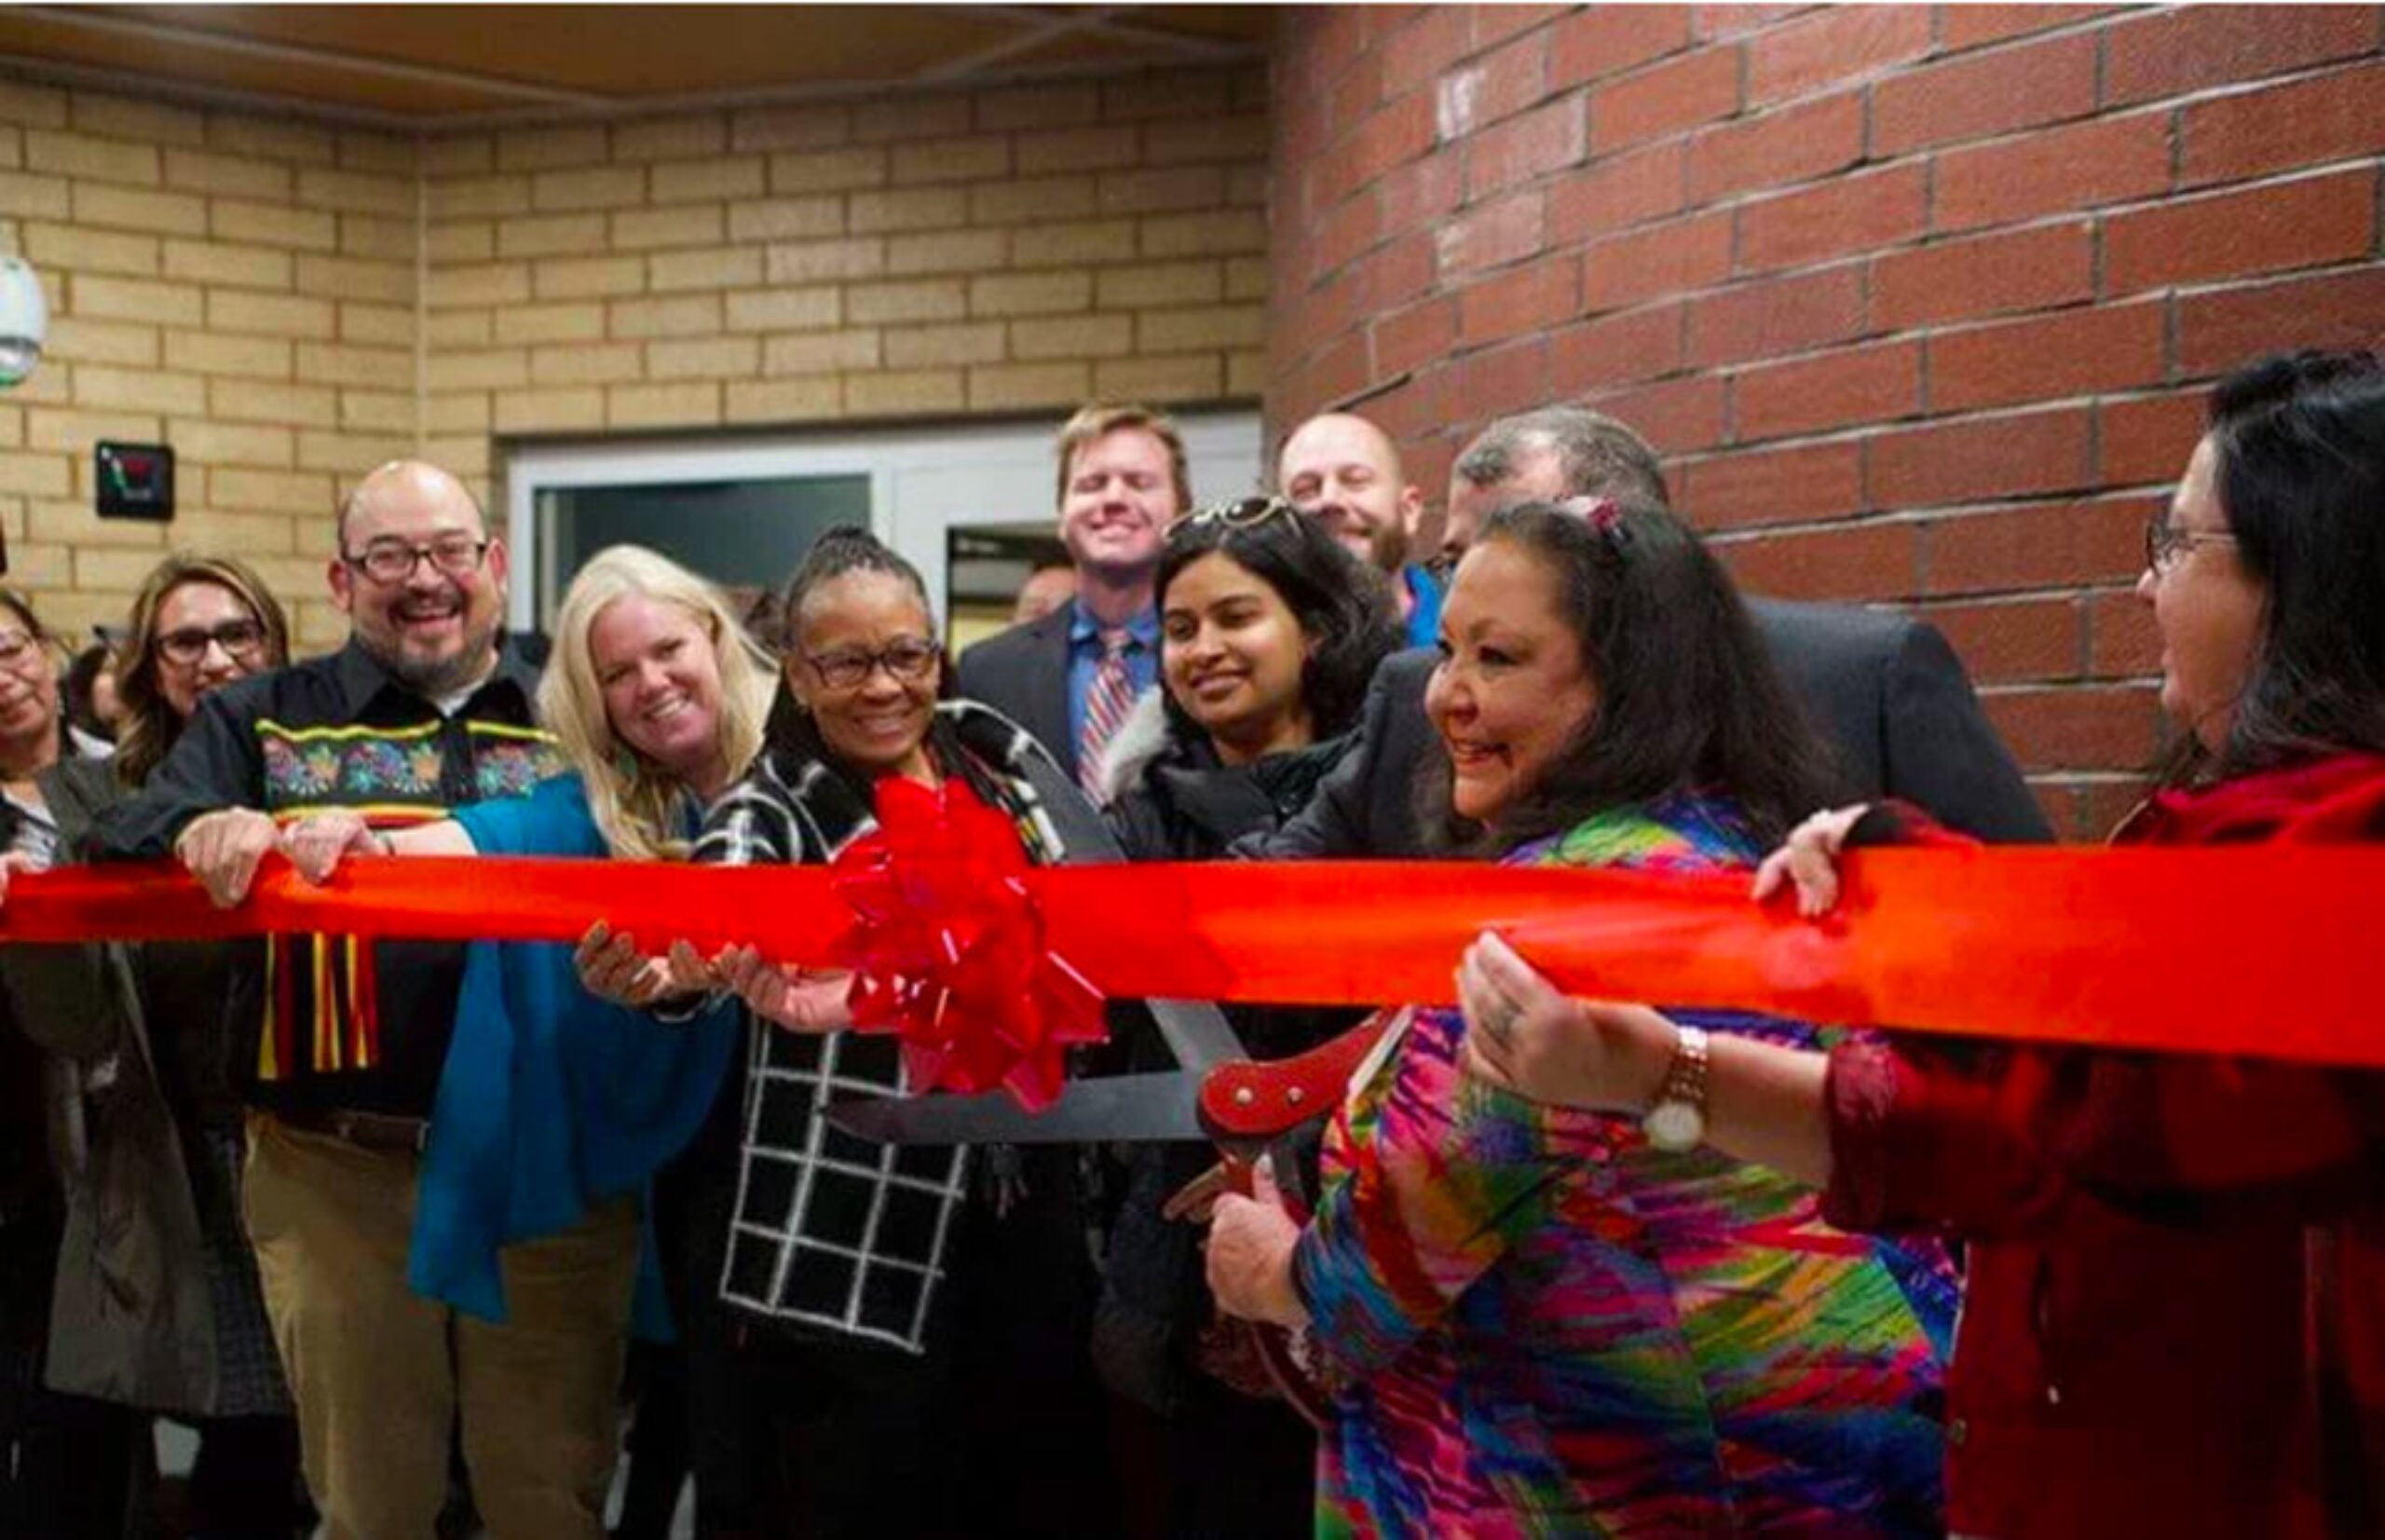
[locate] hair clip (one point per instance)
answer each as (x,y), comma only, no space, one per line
(1603,514)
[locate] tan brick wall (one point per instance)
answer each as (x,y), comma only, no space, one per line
(243,287)
(289,304)
(971,252)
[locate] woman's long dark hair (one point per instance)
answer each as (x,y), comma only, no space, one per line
(2299,447)
(1687,698)
(1342,605)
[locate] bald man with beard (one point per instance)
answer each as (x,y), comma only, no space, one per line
(1344,471)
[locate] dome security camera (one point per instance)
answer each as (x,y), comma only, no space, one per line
(24,320)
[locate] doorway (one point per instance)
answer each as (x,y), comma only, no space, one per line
(743,511)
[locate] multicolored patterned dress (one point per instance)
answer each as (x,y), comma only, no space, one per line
(1539,1325)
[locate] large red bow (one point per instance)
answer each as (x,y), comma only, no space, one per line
(949,951)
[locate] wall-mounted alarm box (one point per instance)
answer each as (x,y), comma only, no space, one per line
(136,481)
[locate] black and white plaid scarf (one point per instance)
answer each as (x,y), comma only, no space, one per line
(829,1231)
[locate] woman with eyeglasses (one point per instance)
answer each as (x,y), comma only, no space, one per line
(883,1339)
(1270,628)
(2176,1305)
(1535,1320)
(157,1303)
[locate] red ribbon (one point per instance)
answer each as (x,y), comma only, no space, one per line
(948,948)
(2265,950)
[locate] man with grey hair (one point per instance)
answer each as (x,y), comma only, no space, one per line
(341,1044)
(1885,690)
(1541,457)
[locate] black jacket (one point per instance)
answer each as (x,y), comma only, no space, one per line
(1885,691)
(1023,672)
(1173,799)
(341,731)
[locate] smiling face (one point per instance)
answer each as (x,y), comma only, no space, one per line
(435,629)
(1512,688)
(1344,472)
(660,675)
(1120,500)
(880,724)
(2206,606)
(28,684)
(1233,653)
(208,611)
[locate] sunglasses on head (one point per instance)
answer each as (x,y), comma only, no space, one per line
(1242,514)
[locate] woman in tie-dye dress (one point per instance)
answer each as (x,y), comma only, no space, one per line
(1533,1321)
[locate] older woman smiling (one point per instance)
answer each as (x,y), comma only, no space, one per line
(1548,1321)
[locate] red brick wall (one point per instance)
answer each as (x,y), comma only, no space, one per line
(1916,300)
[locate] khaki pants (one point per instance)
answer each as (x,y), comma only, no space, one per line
(379,1373)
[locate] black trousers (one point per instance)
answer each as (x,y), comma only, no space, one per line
(244,1483)
(816,1439)
(997,1430)
(70,1467)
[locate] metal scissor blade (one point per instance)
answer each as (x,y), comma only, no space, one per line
(1195,1031)
(1162,1107)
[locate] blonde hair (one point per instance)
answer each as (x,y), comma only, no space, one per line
(634,801)
(1097,421)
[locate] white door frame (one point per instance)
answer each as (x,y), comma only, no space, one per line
(923,480)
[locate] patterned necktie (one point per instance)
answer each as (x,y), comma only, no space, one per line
(1106,704)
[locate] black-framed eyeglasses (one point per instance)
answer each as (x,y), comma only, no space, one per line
(240,639)
(393,561)
(909,659)
(2166,544)
(1242,514)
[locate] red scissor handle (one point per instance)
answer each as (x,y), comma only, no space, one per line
(1245,1101)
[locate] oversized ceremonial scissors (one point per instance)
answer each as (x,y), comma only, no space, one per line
(1244,1107)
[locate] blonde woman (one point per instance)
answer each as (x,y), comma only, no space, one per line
(554,1100)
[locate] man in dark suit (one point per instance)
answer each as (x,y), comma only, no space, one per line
(1885,690)
(1062,677)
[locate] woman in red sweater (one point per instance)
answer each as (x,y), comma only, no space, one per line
(2174,1319)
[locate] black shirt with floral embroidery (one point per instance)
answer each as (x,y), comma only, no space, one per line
(324,1022)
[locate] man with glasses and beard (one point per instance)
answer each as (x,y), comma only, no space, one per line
(340,1043)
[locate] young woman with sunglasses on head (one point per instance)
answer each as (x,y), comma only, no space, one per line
(1266,649)
(158,1305)
(1270,628)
